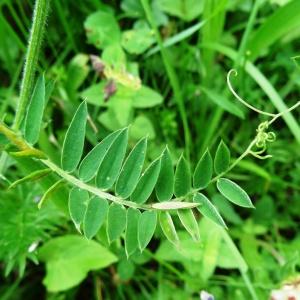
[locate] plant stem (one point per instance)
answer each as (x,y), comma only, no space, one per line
(172,77)
(31,59)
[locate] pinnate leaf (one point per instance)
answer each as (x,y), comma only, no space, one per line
(95,216)
(208,210)
(90,164)
(182,178)
(112,162)
(222,158)
(234,192)
(165,184)
(203,171)
(146,183)
(168,228)
(189,222)
(74,139)
(146,228)
(34,116)
(116,221)
(131,233)
(131,170)
(78,200)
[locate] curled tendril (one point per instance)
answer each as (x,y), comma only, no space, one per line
(262,138)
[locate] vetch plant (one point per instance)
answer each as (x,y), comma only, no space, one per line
(108,186)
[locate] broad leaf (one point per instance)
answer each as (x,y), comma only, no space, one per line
(131,170)
(171,205)
(34,116)
(69,258)
(234,193)
(168,228)
(146,228)
(74,140)
(116,221)
(78,200)
(95,216)
(222,158)
(189,222)
(112,162)
(146,97)
(208,210)
(182,178)
(90,164)
(165,184)
(203,171)
(138,39)
(146,183)
(131,233)
(102,29)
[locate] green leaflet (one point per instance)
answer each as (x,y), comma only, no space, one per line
(90,164)
(116,221)
(222,158)
(168,228)
(131,170)
(131,233)
(182,178)
(165,184)
(208,209)
(146,228)
(112,162)
(189,222)
(74,139)
(78,200)
(234,192)
(146,183)
(31,177)
(34,116)
(95,216)
(203,171)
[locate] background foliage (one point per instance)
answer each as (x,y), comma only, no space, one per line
(103,52)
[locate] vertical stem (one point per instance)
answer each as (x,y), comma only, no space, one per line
(35,40)
(172,77)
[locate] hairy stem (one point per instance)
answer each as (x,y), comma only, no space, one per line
(31,59)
